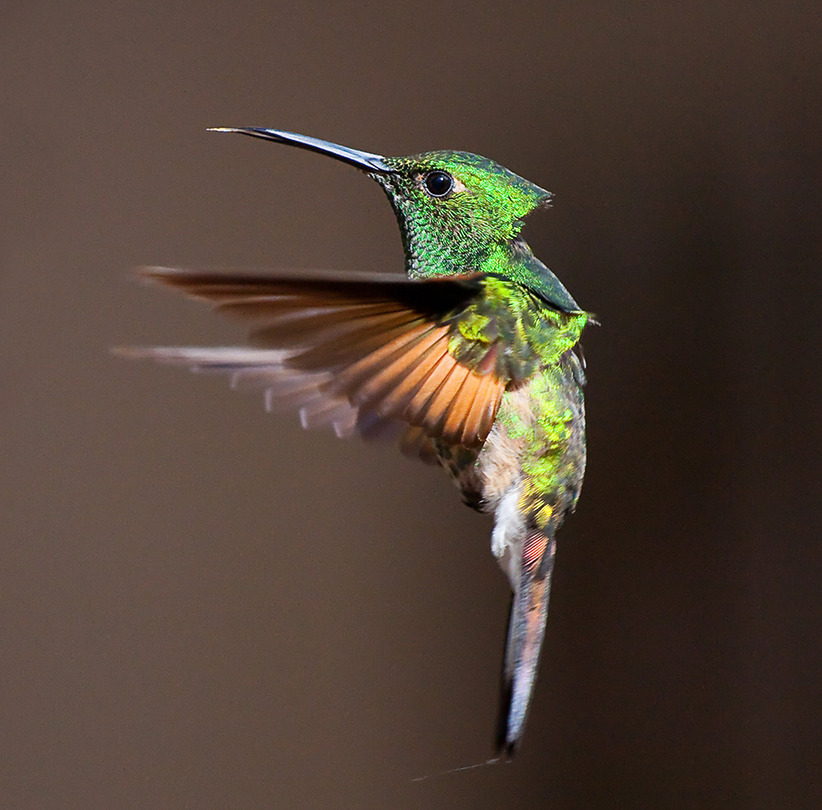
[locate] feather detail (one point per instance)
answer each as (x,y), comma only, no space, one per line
(526,630)
(352,352)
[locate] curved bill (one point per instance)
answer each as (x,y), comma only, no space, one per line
(367,161)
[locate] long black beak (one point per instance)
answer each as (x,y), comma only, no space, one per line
(366,161)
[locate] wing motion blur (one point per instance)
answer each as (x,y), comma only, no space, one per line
(356,352)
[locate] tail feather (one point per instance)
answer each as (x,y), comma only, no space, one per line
(526,629)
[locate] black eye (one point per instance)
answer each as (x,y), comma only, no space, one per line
(439,184)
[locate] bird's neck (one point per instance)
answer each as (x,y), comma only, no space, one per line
(510,260)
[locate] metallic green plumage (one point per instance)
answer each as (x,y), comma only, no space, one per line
(476,358)
(473,230)
(529,471)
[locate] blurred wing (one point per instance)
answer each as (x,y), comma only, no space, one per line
(355,352)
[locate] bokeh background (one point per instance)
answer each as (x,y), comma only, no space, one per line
(203,606)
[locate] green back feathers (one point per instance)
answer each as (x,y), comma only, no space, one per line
(526,334)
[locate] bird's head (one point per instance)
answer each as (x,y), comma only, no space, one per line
(456,210)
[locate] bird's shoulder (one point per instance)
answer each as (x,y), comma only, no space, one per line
(510,330)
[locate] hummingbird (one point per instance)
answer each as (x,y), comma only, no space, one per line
(471,358)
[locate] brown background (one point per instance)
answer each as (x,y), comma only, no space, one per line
(203,606)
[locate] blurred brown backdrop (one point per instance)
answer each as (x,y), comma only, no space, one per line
(203,606)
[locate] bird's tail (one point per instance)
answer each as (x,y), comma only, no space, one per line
(526,628)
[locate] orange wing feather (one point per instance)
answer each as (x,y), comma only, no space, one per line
(353,352)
